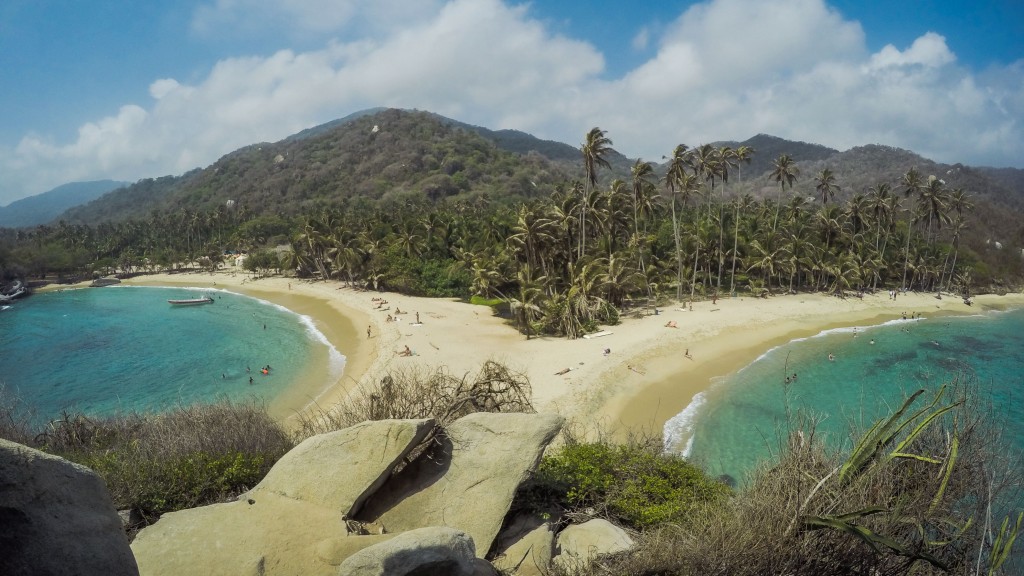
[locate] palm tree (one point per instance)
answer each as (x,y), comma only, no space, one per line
(825,184)
(911,184)
(932,200)
(642,173)
(784,172)
(676,179)
(526,306)
(595,147)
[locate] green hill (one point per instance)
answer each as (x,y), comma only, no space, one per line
(46,207)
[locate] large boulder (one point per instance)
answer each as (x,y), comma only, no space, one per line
(578,544)
(294,521)
(424,552)
(57,518)
(525,547)
(468,479)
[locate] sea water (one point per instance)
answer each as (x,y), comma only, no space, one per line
(742,418)
(107,350)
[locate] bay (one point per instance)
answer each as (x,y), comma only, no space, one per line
(116,349)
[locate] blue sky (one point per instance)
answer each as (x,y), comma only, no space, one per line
(126,89)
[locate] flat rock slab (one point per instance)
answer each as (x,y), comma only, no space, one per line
(57,518)
(468,479)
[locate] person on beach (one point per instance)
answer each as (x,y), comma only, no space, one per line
(406,352)
(671,324)
(687,354)
(831,357)
(607,351)
(368,331)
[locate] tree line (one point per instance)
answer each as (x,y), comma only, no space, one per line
(566,263)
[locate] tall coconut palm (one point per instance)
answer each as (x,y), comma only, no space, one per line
(932,199)
(825,184)
(726,160)
(642,173)
(784,171)
(911,184)
(595,149)
(677,180)
(959,202)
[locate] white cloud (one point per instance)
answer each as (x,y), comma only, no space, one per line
(724,69)
(928,50)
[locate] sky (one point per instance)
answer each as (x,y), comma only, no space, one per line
(125,90)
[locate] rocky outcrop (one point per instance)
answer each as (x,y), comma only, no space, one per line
(333,504)
(57,518)
(424,551)
(293,522)
(469,479)
(525,546)
(579,543)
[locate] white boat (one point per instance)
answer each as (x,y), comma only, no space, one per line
(191,301)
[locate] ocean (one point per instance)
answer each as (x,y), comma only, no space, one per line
(117,349)
(737,422)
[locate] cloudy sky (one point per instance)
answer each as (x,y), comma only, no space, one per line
(125,89)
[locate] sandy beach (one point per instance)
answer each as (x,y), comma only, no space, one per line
(652,372)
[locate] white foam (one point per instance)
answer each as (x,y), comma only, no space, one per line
(679,428)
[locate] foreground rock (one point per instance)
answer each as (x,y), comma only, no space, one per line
(423,551)
(333,505)
(578,544)
(293,521)
(57,518)
(469,479)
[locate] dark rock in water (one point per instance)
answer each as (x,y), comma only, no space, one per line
(727,480)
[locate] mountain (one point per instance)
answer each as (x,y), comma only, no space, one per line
(389,154)
(767,148)
(383,155)
(46,207)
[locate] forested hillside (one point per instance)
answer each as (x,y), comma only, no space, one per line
(412,202)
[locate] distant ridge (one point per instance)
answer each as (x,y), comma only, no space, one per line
(386,154)
(46,207)
(768,148)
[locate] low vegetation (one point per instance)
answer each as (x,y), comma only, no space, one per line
(927,490)
(636,485)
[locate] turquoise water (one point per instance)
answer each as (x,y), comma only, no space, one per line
(735,423)
(104,350)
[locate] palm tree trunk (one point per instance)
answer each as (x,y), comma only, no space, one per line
(735,241)
(679,252)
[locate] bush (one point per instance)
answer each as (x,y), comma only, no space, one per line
(922,492)
(424,393)
(158,463)
(636,484)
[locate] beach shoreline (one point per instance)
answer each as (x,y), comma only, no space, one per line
(645,379)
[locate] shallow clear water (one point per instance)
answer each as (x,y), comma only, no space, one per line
(125,348)
(735,424)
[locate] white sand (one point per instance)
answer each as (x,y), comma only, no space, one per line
(644,381)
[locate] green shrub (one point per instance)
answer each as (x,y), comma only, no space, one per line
(158,463)
(636,485)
